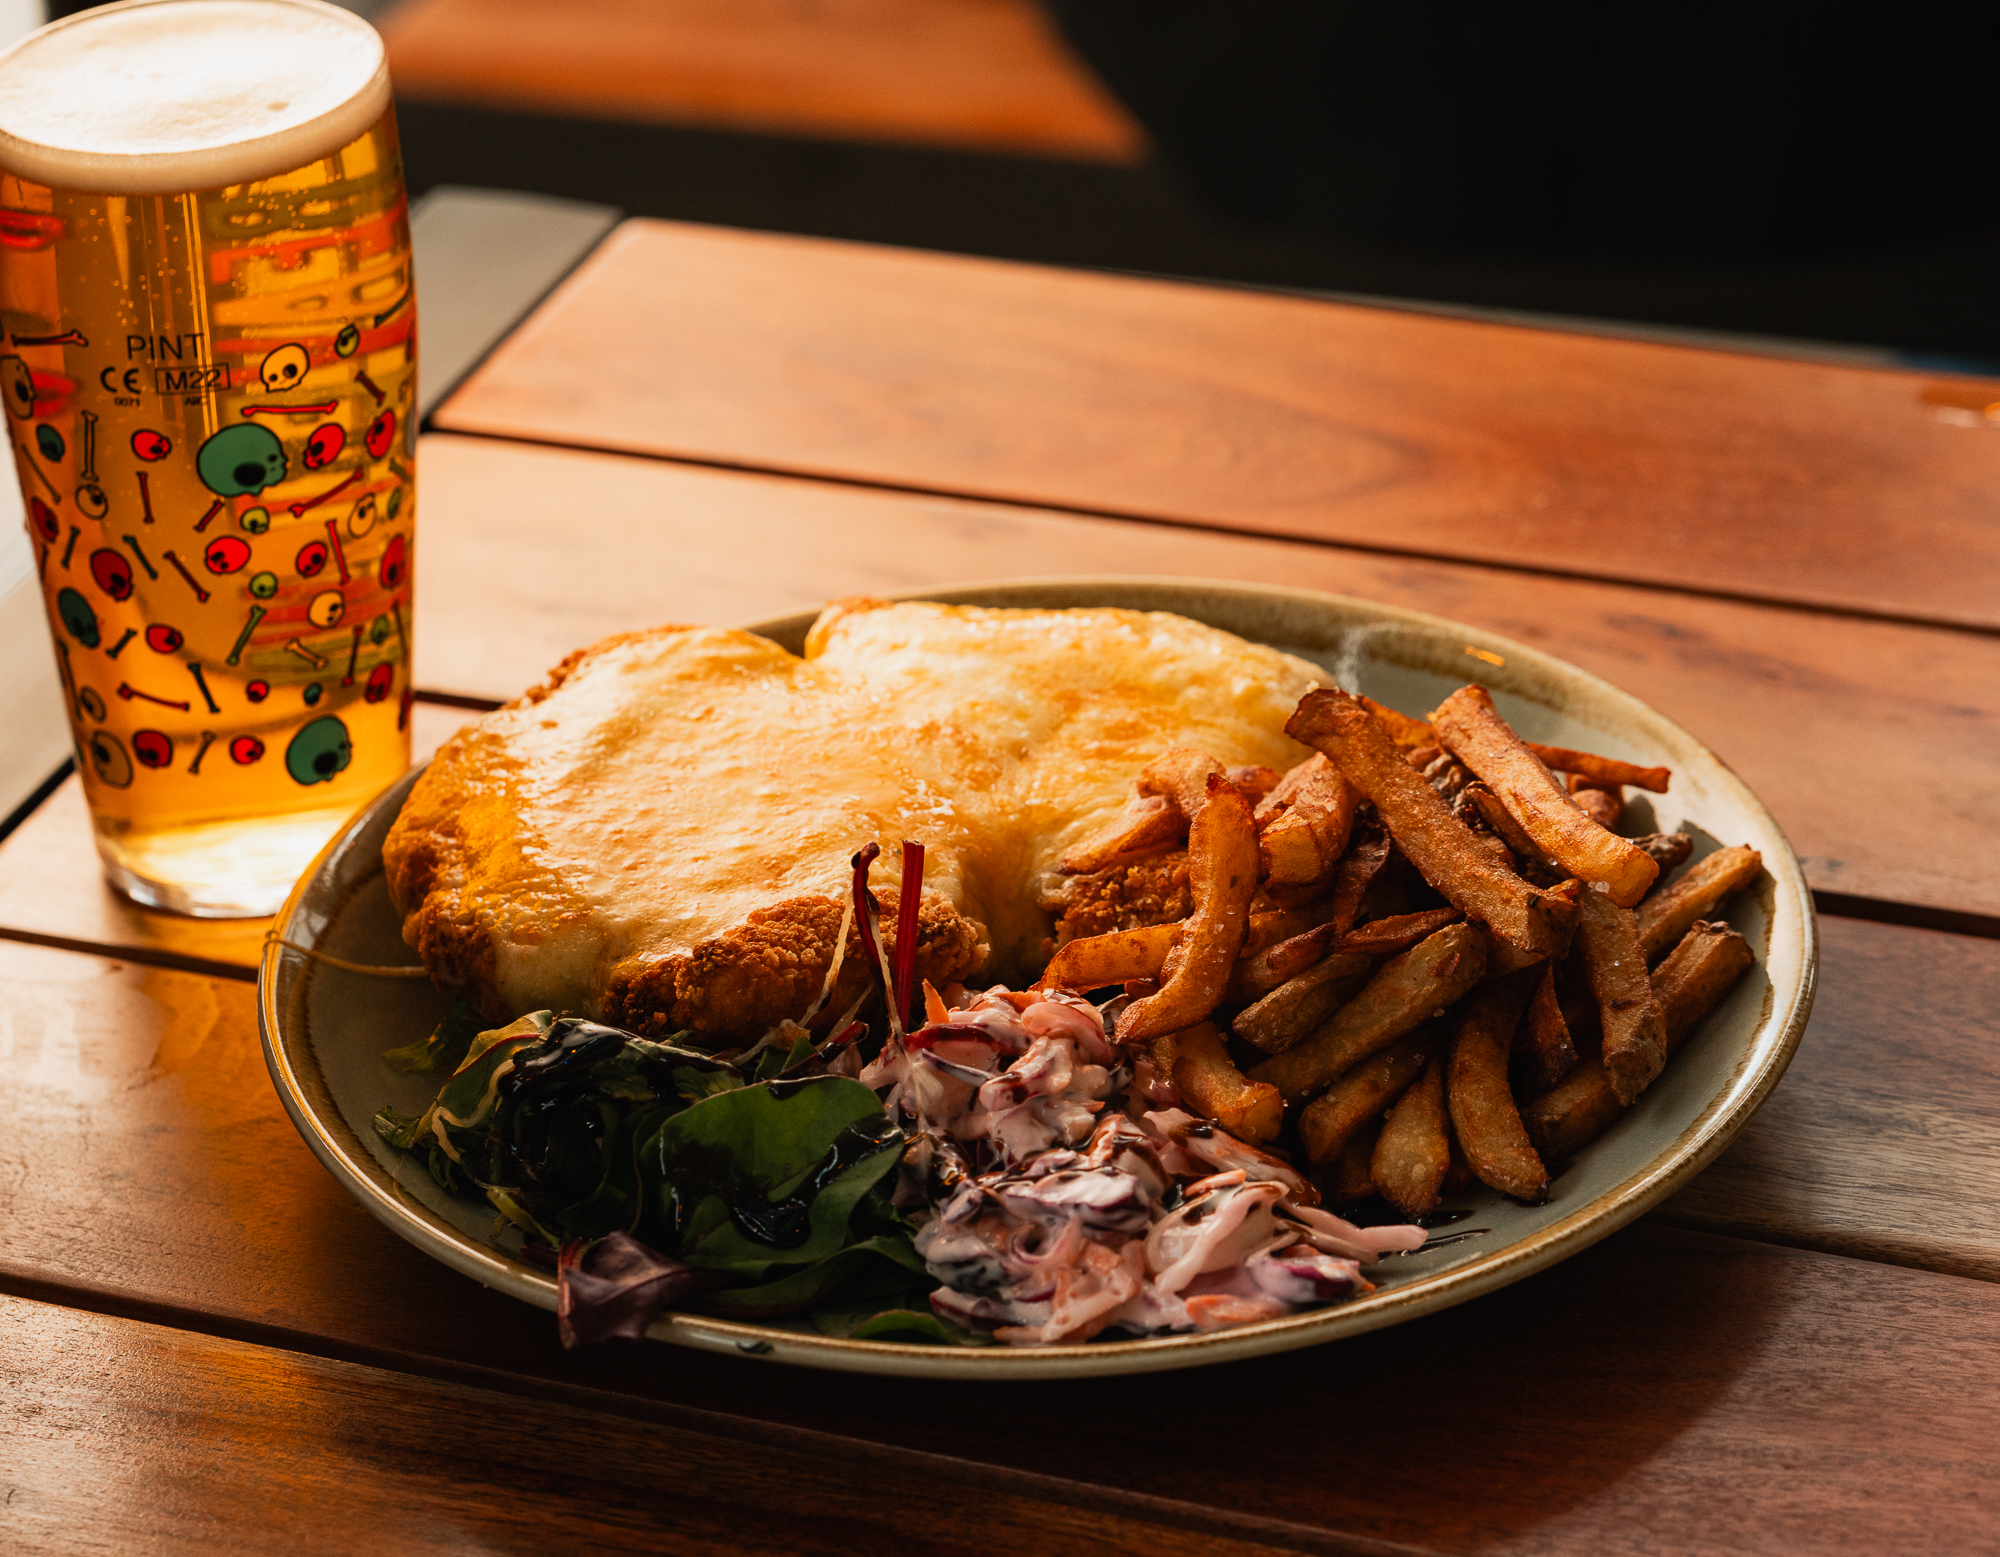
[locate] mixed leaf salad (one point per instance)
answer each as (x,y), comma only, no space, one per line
(1001,1172)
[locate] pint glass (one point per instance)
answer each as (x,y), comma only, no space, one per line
(209,375)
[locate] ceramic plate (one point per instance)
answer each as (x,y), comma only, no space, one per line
(324,1030)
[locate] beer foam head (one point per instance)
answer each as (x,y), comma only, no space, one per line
(159,96)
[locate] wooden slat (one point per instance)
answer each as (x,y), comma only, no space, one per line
(986,75)
(52,885)
(118,1436)
(1880,1142)
(1833,486)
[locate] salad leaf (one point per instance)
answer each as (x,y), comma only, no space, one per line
(769,1174)
(798,1291)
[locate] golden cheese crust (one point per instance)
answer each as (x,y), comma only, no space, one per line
(659,834)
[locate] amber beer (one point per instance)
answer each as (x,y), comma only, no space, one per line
(209,371)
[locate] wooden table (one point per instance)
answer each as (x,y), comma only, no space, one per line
(210,1347)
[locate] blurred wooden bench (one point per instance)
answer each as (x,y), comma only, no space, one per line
(985,75)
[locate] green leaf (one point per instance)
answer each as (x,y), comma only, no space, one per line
(399,1131)
(799,1290)
(909,1324)
(445,1047)
(732,1171)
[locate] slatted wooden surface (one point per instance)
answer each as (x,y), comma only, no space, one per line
(1841,487)
(210,1345)
(985,75)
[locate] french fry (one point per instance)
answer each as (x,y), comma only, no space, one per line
(1295,1008)
(1180,773)
(1413,1152)
(1359,1097)
(1255,977)
(1402,993)
(1210,1084)
(1359,869)
(1665,916)
(1545,1035)
(1484,1119)
(1606,770)
(1689,984)
(1669,851)
(1353,1176)
(1146,826)
(1509,831)
(1603,803)
(1634,1041)
(1095,961)
(1254,780)
(1398,933)
(1305,843)
(1471,727)
(1416,734)
(1222,876)
(1267,930)
(1441,846)
(1410,734)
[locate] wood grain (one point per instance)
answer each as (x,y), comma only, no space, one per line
(1831,486)
(51,883)
(118,1436)
(986,75)
(1880,1142)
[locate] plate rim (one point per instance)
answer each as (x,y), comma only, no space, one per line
(1735,1102)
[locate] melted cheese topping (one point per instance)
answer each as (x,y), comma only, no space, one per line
(678,781)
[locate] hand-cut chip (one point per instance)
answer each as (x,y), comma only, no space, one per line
(1689,984)
(1146,826)
(1413,1152)
(1180,773)
(1484,1119)
(1254,780)
(1268,929)
(1306,841)
(1406,990)
(1353,1176)
(1665,916)
(1441,846)
(1493,811)
(1100,960)
(1222,874)
(1397,933)
(1255,977)
(1545,1035)
(1368,855)
(1360,1096)
(1294,1009)
(1608,770)
(1414,735)
(1607,936)
(1210,1084)
(1410,734)
(1471,727)
(1603,803)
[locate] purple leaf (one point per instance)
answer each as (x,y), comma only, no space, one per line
(617,1287)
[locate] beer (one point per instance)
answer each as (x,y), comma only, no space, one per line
(209,380)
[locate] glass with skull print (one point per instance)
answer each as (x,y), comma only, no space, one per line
(208,377)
